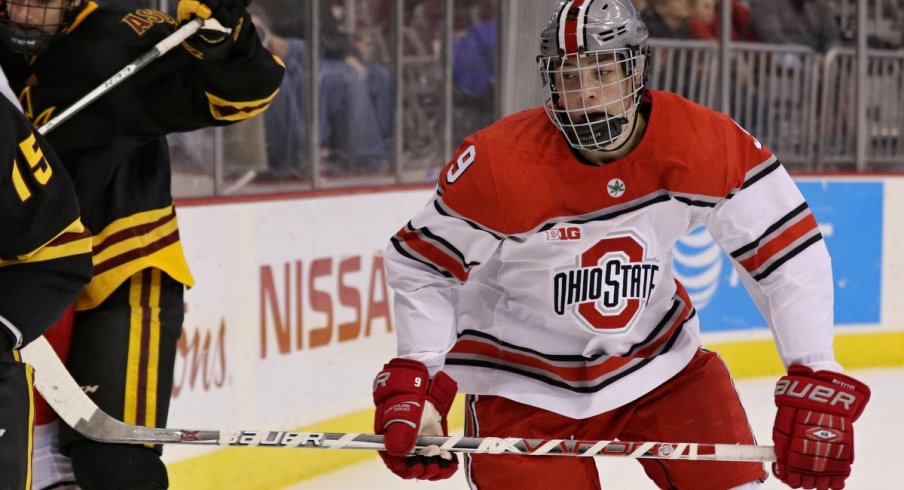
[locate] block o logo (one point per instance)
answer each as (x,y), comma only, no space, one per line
(608,289)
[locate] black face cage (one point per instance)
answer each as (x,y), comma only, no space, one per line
(591,97)
(43,21)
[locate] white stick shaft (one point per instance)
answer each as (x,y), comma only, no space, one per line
(77,410)
(157,51)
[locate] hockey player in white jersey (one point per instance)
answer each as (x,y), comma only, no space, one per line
(539,279)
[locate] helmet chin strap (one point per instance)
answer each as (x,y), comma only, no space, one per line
(599,133)
(22,41)
(602,132)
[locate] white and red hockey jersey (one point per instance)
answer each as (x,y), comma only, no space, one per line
(538,277)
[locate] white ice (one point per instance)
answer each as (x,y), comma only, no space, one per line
(879,434)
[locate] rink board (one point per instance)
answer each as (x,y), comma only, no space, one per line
(289,319)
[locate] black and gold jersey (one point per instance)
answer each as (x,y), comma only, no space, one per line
(115,148)
(44,248)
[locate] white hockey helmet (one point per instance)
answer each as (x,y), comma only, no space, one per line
(587,35)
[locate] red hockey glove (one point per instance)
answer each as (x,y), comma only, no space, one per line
(215,44)
(409,404)
(814,430)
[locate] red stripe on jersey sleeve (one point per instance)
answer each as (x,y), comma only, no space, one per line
(434,255)
(781,242)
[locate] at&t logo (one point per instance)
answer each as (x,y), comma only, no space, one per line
(698,266)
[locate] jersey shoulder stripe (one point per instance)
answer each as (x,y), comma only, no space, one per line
(786,237)
(423,246)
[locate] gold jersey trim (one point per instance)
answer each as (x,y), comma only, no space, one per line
(144,349)
(149,239)
(90,7)
(73,240)
(225,110)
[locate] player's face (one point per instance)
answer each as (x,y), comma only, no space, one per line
(43,15)
(593,85)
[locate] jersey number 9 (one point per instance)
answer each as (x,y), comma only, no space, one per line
(461,164)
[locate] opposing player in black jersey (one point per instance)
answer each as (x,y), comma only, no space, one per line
(129,317)
(45,260)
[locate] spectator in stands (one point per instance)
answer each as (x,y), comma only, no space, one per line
(807,22)
(425,22)
(379,82)
(705,22)
(351,140)
(668,18)
(474,71)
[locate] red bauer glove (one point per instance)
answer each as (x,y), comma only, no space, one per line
(409,404)
(814,427)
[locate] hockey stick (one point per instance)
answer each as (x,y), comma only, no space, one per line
(157,51)
(83,415)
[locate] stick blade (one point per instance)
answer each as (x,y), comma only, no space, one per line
(76,409)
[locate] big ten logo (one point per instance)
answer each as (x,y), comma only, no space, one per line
(563,233)
(200,359)
(327,288)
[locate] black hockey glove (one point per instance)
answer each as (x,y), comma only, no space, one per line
(213,44)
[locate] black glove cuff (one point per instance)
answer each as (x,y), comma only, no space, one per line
(6,343)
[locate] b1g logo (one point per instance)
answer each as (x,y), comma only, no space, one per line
(611,283)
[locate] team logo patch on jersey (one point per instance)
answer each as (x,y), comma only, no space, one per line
(616,187)
(611,283)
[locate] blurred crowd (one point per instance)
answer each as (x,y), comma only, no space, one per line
(818,24)
(358,114)
(356,92)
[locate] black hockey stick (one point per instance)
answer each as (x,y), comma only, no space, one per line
(157,51)
(76,409)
